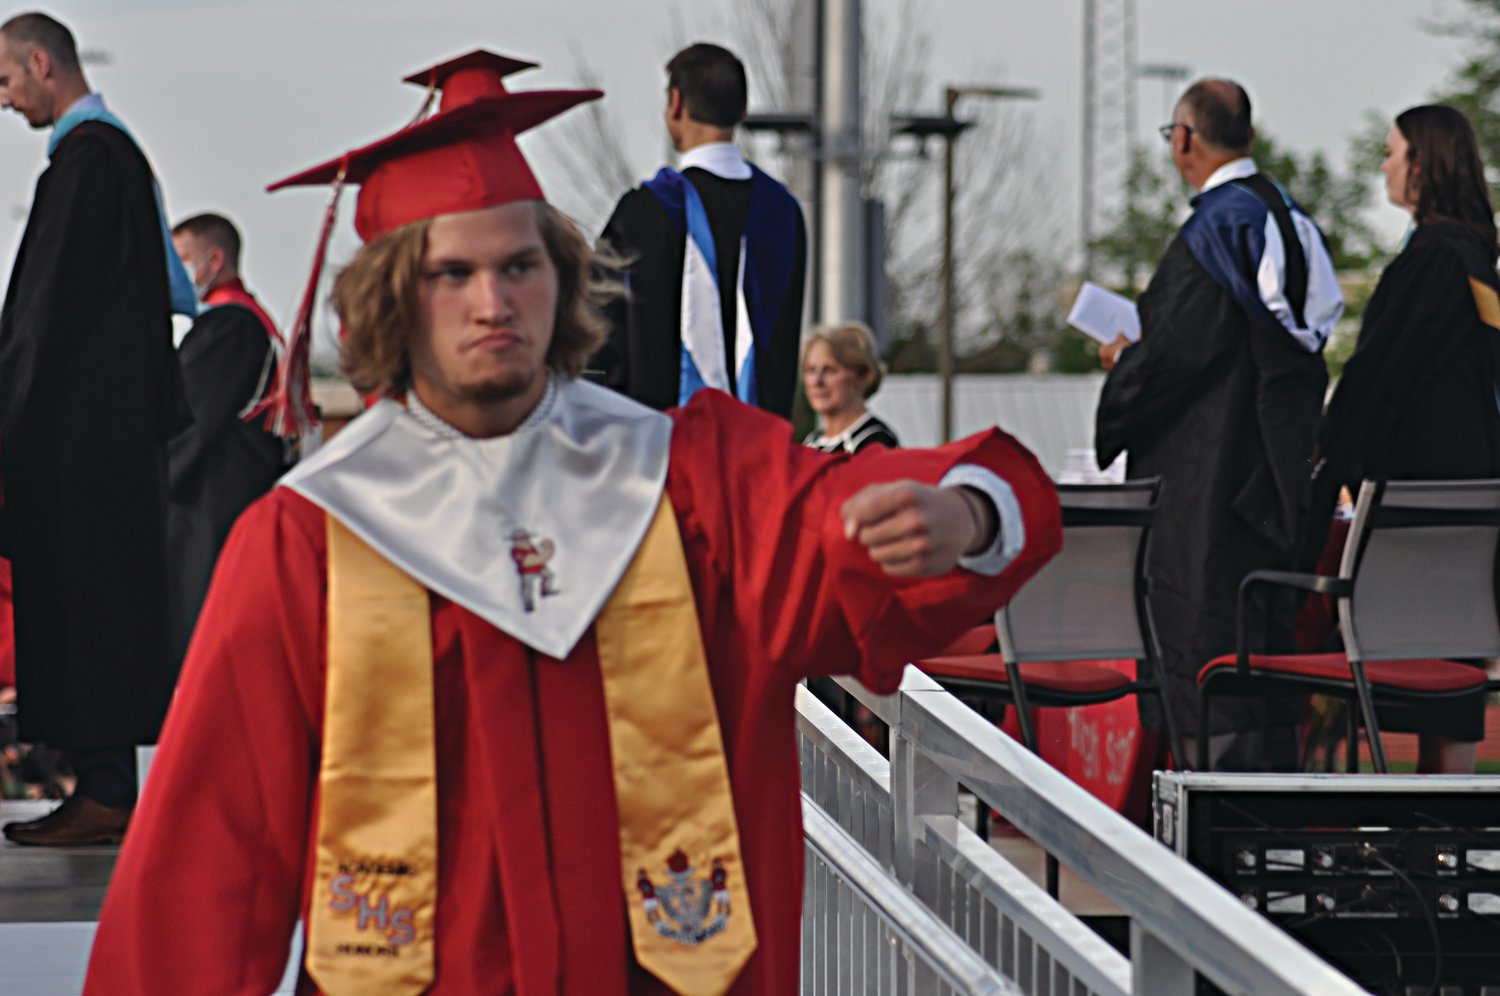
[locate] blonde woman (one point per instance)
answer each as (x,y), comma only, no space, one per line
(841,369)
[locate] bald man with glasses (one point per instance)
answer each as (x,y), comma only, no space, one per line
(1221,399)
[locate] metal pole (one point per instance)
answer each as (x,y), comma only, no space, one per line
(1086,194)
(1132,133)
(842,263)
(805,96)
(945,322)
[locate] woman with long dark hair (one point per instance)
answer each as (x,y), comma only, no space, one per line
(1418,400)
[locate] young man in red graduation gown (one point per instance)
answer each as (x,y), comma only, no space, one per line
(495,692)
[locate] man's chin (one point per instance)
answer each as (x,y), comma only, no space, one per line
(504,388)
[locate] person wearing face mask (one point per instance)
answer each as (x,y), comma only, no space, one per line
(226,459)
(1417,400)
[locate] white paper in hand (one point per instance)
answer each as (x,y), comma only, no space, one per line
(1103,314)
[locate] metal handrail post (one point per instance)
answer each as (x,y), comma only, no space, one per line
(920,788)
(1154,966)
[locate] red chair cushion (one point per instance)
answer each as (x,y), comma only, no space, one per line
(1435,676)
(979,640)
(1073,677)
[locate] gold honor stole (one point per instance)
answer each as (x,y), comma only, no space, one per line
(1486,302)
(372,919)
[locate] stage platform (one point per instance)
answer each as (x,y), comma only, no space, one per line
(49,903)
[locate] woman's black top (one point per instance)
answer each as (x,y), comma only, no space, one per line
(1417,400)
(868,431)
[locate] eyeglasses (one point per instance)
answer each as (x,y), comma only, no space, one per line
(1165,131)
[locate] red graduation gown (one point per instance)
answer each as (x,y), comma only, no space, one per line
(214,871)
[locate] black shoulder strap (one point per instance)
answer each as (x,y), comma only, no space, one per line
(1275,200)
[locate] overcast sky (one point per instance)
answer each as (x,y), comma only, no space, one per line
(228,95)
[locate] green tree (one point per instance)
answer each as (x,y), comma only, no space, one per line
(1155,203)
(1157,198)
(1021,314)
(1474,87)
(1336,201)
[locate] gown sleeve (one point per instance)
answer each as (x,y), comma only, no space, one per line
(778,385)
(208,885)
(640,358)
(1418,316)
(1181,312)
(72,235)
(812,601)
(222,359)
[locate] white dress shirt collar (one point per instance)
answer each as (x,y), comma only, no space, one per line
(88,102)
(722,159)
(1235,169)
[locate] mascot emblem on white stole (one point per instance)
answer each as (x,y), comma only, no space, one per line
(531,556)
(686,908)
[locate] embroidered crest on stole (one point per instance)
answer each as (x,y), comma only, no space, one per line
(686,907)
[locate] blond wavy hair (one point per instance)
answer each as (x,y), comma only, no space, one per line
(853,346)
(376,298)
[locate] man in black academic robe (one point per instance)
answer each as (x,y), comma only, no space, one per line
(89,393)
(225,460)
(689,226)
(1221,399)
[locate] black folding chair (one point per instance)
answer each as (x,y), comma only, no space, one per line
(1415,590)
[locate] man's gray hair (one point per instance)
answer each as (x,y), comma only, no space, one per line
(1220,112)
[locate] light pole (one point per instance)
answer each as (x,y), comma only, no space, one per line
(1169,73)
(949,127)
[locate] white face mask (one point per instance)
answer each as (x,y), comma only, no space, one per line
(195,274)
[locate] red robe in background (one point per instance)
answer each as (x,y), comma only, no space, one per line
(234,292)
(215,870)
(7,629)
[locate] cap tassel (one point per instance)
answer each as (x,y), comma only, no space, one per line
(289,408)
(431,98)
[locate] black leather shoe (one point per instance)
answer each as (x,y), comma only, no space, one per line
(78,822)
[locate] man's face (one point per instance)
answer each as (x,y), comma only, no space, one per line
(1182,140)
(202,260)
(21,89)
(487,302)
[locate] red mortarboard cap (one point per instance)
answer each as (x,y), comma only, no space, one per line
(462,158)
(462,89)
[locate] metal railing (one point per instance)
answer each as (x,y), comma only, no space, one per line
(905,816)
(1000,914)
(862,933)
